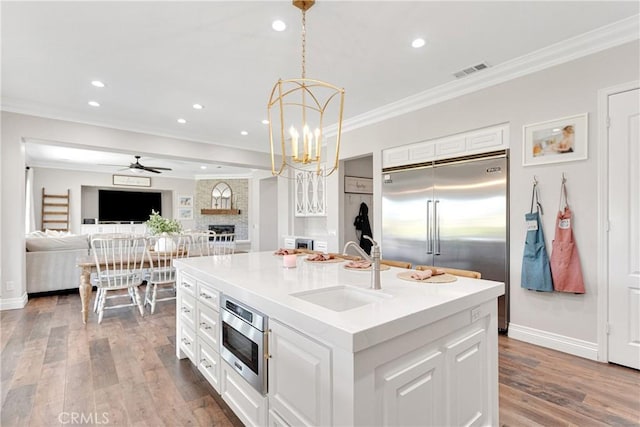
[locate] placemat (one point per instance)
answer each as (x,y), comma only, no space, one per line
(329,261)
(382,267)
(441,278)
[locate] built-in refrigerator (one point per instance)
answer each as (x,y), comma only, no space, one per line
(451,213)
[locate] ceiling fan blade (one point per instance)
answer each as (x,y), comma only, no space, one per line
(158,168)
(148,169)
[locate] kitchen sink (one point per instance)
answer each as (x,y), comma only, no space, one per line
(341,298)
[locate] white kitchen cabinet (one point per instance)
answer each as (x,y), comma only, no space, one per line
(245,401)
(411,389)
(209,363)
(396,156)
(188,342)
(468,143)
(299,377)
(198,326)
(310,195)
(208,325)
(467,404)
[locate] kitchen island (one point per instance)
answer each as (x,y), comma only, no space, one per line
(338,353)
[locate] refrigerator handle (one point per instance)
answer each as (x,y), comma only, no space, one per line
(429,230)
(436,227)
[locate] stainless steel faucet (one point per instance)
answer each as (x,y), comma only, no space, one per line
(374,259)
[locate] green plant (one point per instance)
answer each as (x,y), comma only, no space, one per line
(158,225)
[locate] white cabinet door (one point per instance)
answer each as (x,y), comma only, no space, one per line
(411,390)
(299,377)
(309,191)
(249,405)
(395,157)
(467,380)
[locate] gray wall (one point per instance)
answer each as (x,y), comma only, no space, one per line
(561,91)
(84,192)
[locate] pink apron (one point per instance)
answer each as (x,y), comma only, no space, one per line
(565,260)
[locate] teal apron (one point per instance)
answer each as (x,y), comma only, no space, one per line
(536,272)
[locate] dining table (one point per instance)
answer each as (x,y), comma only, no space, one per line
(87,265)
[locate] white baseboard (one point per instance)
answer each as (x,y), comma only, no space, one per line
(586,349)
(13,303)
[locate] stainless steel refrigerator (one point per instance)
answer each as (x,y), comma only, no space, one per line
(451,213)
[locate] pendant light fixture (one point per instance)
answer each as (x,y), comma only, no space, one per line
(299,110)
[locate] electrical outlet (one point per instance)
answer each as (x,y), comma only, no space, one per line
(10,285)
(475,314)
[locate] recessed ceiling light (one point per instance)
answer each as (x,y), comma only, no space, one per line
(244,132)
(182,121)
(97,83)
(203,167)
(94,103)
(278,25)
(198,106)
(418,43)
(265,122)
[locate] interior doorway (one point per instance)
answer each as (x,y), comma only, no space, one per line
(359,172)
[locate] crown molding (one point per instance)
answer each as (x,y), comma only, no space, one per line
(609,36)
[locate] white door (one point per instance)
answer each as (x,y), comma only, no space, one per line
(624,234)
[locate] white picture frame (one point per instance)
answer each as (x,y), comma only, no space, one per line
(555,141)
(184,206)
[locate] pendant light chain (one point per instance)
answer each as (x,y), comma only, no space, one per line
(304,43)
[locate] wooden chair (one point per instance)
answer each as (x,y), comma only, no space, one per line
(162,273)
(200,243)
(120,265)
(223,244)
(399,264)
(454,271)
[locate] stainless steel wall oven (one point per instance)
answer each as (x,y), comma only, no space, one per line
(244,341)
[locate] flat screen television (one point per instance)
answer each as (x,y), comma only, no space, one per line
(127,206)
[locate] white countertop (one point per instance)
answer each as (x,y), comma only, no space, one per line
(259,280)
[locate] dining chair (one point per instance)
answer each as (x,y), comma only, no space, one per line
(399,264)
(224,244)
(200,243)
(119,265)
(454,271)
(162,273)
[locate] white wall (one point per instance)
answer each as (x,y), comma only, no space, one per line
(57,181)
(561,91)
(18,127)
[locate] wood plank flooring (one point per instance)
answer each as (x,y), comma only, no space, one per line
(124,372)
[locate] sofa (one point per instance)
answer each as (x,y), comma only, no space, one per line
(51,260)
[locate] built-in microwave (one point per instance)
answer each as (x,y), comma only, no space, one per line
(244,341)
(304,244)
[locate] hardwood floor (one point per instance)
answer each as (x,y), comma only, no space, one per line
(124,372)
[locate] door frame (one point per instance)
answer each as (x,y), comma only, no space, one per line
(603,218)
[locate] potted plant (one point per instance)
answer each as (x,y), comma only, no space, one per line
(158,226)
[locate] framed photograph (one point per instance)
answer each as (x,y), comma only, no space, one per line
(185,213)
(561,140)
(185,201)
(354,184)
(132,181)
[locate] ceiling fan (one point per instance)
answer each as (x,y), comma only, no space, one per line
(138,167)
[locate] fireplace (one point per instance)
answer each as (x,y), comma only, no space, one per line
(222,229)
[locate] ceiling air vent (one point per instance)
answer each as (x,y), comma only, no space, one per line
(471,70)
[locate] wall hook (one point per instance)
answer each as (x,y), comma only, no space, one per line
(535,180)
(564,178)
